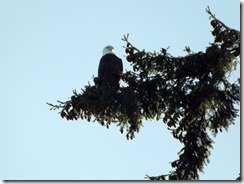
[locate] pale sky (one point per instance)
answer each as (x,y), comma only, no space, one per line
(48,48)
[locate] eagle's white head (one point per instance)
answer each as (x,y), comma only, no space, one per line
(108,50)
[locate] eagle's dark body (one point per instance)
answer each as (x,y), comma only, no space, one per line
(109,71)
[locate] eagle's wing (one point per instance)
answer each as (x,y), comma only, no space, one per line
(120,66)
(101,67)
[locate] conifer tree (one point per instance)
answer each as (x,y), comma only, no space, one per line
(192,95)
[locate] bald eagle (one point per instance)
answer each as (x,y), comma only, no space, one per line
(110,69)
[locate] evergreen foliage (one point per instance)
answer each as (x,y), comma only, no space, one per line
(190,94)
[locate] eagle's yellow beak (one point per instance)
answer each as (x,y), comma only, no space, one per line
(110,48)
